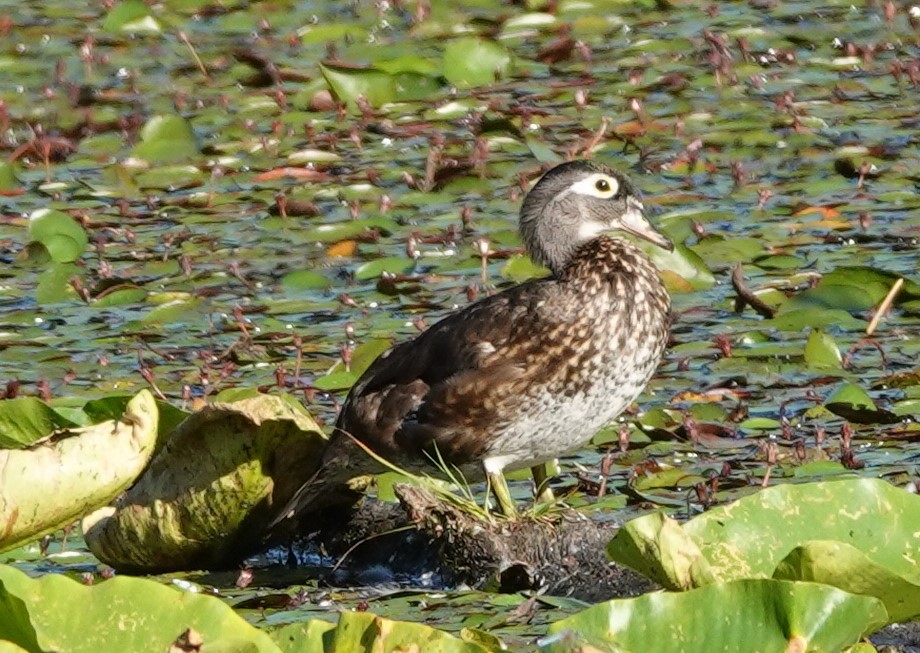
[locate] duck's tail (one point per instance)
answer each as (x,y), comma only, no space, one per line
(338,482)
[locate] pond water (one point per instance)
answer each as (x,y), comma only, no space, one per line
(242,228)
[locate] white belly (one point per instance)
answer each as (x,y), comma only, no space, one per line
(551,424)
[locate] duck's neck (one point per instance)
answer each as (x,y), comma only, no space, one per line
(610,261)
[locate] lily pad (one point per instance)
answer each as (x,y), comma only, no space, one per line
(132,17)
(339,378)
(8,181)
(387,264)
(24,420)
(166,139)
(842,565)
(349,84)
(61,235)
(208,495)
(364,632)
(53,482)
(851,289)
(683,262)
(821,351)
(473,61)
(853,403)
(745,615)
(520,268)
(56,613)
(747,538)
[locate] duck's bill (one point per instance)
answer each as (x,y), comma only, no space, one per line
(635,222)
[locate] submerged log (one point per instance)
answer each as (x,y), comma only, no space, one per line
(563,555)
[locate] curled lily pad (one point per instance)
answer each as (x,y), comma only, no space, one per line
(882,574)
(53,482)
(207,495)
(61,235)
(748,538)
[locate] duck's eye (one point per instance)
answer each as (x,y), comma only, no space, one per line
(598,185)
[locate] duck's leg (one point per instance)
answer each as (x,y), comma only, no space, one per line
(543,492)
(499,487)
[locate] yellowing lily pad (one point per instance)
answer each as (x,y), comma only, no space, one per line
(49,484)
(208,495)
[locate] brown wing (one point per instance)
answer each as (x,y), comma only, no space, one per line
(447,386)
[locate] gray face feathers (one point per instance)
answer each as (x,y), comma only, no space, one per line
(576,202)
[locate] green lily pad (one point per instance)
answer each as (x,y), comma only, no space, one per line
(8,180)
(520,268)
(170,177)
(364,632)
(166,139)
(850,394)
(363,355)
(683,262)
(54,284)
(472,61)
(24,420)
(817,469)
(304,280)
(132,17)
(336,381)
(815,318)
(408,63)
(121,614)
(349,84)
(853,403)
(851,289)
(377,267)
(121,296)
(339,378)
(747,538)
(717,249)
(113,406)
(63,237)
(740,616)
(328,233)
(821,351)
(844,566)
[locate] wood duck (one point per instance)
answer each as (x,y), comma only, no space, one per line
(527,374)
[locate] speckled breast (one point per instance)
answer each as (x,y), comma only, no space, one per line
(614,345)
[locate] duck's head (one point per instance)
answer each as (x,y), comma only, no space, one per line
(576,202)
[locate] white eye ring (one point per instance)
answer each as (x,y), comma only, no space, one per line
(597,185)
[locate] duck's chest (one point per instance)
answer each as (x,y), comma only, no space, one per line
(596,366)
